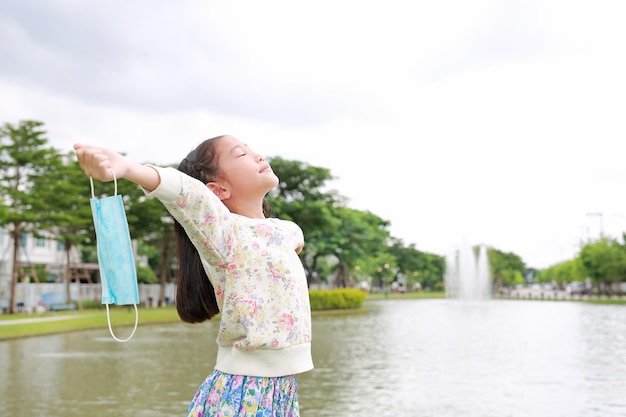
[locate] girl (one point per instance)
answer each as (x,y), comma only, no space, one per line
(234,260)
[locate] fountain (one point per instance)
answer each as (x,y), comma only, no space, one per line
(467,274)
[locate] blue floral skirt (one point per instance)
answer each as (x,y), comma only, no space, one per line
(226,395)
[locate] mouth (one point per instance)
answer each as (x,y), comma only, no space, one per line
(265,168)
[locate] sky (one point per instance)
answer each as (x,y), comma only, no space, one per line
(496,122)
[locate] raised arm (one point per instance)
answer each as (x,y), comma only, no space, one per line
(98,162)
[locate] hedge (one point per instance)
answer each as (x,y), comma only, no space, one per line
(342,298)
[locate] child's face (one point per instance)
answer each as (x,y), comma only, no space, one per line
(245,171)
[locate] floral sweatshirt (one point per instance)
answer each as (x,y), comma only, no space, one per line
(259,280)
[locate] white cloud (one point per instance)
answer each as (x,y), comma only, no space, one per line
(496,122)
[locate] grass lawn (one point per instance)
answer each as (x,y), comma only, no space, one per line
(25,325)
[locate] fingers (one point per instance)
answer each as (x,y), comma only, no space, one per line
(94,161)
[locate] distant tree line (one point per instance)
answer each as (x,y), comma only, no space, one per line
(43,189)
(601,261)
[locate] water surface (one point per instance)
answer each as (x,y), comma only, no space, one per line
(399,358)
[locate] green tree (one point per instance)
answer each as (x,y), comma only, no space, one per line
(381,267)
(563,272)
(338,239)
(424,268)
(604,261)
(24,157)
(152,227)
(65,207)
(362,239)
(299,197)
(322,230)
(506,268)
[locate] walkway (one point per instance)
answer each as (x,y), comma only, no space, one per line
(40,319)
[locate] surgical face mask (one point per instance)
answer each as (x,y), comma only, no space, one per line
(115,254)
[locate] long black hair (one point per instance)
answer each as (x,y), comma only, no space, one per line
(195,295)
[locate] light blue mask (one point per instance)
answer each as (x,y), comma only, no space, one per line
(115,254)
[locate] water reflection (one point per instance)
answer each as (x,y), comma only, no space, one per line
(451,358)
(89,374)
(404,357)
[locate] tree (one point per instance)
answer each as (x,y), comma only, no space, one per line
(563,272)
(299,197)
(427,269)
(65,207)
(338,238)
(23,158)
(320,226)
(362,235)
(604,261)
(506,268)
(299,181)
(152,227)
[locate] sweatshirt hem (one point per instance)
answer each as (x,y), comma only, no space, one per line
(265,362)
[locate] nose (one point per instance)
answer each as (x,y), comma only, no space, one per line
(260,158)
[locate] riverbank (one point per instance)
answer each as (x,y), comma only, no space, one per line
(28,325)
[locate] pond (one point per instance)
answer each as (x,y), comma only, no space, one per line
(398,358)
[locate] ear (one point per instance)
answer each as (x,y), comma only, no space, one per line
(219,190)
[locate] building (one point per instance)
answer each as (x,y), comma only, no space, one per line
(43,252)
(41,268)
(39,260)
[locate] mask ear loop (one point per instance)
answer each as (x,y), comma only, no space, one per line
(107,306)
(111,329)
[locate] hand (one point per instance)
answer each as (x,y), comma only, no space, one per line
(98,162)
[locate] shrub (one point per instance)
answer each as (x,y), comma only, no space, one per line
(342,298)
(145,275)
